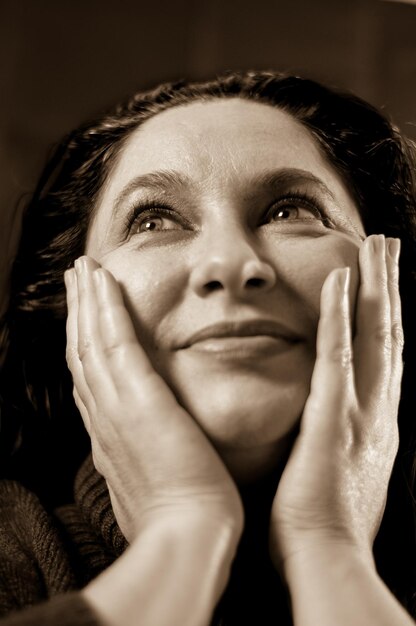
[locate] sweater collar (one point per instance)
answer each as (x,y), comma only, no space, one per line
(92,497)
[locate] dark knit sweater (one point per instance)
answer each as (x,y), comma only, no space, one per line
(45,559)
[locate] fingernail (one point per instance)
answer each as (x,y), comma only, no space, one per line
(80,265)
(344,280)
(377,243)
(393,248)
(98,278)
(69,278)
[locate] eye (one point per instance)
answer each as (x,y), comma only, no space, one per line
(152,219)
(289,212)
(151,223)
(298,208)
(294,208)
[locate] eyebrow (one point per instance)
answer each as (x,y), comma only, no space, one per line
(296,176)
(163,180)
(290,176)
(168,181)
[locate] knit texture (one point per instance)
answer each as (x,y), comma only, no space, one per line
(46,558)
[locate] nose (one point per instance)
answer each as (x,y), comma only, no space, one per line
(230,263)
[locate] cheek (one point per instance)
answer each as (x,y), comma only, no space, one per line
(151,287)
(310,266)
(155,283)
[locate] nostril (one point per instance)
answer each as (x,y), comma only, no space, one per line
(213,285)
(255,282)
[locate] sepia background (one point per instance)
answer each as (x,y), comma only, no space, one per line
(62,61)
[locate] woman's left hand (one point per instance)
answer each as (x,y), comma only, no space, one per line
(333,489)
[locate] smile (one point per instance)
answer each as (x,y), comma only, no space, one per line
(243,338)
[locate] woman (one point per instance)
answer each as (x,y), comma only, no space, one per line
(235,341)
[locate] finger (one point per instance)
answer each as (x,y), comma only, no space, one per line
(372,344)
(149,404)
(333,375)
(87,306)
(83,410)
(90,352)
(72,358)
(397,337)
(130,367)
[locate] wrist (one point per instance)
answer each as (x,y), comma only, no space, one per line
(326,556)
(337,583)
(191,527)
(195,523)
(178,564)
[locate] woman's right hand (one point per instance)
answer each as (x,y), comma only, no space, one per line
(157,462)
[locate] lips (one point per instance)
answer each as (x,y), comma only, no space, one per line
(233,330)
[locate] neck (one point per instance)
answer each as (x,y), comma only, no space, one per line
(255,593)
(256,465)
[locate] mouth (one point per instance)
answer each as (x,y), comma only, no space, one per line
(242,338)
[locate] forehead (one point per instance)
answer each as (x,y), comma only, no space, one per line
(219,145)
(203,137)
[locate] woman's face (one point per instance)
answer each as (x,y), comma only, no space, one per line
(221,221)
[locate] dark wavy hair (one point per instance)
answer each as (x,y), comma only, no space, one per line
(375,161)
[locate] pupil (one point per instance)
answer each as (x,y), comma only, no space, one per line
(284,213)
(150,225)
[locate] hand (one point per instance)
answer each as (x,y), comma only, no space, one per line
(333,488)
(157,462)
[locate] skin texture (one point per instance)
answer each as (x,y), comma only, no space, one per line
(197,266)
(175,425)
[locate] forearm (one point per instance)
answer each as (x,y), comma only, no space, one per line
(339,587)
(173,574)
(66,609)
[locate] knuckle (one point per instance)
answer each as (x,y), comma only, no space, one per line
(340,355)
(382,335)
(84,348)
(71,355)
(392,281)
(71,347)
(397,335)
(381,281)
(113,350)
(118,350)
(375,287)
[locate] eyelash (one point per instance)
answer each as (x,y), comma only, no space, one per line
(154,208)
(307,200)
(158,209)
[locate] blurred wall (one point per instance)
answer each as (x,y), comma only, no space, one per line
(61,61)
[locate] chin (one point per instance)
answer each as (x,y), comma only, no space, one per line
(249,410)
(251,429)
